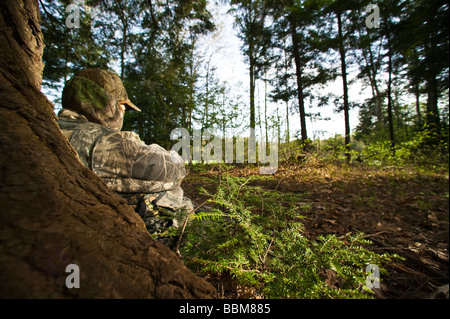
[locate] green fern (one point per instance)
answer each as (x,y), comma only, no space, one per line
(256,236)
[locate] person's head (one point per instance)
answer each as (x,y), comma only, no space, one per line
(99,95)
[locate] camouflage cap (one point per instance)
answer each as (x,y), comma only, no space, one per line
(96,94)
(111,82)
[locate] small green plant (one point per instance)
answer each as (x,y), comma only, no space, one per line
(256,236)
(421,149)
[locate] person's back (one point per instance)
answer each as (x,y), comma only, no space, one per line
(94,103)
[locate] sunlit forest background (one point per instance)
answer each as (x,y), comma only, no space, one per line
(293,51)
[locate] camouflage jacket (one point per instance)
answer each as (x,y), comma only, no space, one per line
(124,162)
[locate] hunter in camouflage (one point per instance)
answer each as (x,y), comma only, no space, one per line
(94,102)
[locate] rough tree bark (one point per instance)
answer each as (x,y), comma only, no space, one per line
(53,211)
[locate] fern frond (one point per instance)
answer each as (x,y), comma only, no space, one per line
(213,215)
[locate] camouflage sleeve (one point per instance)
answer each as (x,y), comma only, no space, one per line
(128,165)
(131,135)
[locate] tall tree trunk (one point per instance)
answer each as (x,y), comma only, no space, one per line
(252,140)
(419,115)
(389,91)
(205,117)
(432,117)
(390,117)
(288,138)
(278,127)
(299,76)
(258,110)
(54,212)
(432,104)
(265,110)
(345,87)
(286,70)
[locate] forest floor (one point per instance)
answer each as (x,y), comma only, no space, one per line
(401,210)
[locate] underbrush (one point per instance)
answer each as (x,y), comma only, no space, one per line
(255,237)
(423,149)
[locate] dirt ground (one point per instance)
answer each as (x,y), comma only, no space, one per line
(401,210)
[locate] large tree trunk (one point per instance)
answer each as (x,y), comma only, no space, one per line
(252,136)
(299,76)
(390,103)
(389,89)
(53,211)
(345,86)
